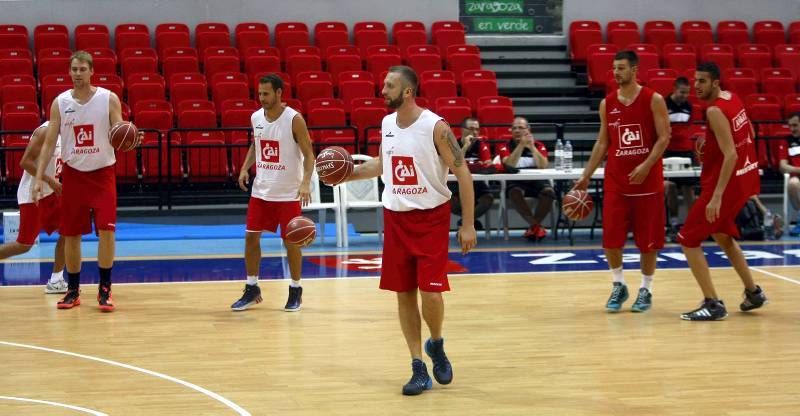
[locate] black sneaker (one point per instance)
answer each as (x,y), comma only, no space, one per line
(619,294)
(709,310)
(104,298)
(442,370)
(70,300)
(420,380)
(295,299)
(251,296)
(753,300)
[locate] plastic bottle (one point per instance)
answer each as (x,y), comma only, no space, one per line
(559,155)
(769,226)
(568,156)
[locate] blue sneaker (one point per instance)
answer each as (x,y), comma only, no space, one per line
(442,370)
(251,296)
(295,299)
(643,302)
(420,380)
(795,231)
(619,294)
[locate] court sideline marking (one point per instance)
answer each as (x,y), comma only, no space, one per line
(788,279)
(194,387)
(67,406)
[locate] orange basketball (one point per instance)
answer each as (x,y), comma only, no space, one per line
(301,231)
(123,136)
(577,204)
(334,164)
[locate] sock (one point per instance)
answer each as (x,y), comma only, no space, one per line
(616,274)
(647,282)
(73,280)
(252,280)
(57,276)
(105,277)
(294,283)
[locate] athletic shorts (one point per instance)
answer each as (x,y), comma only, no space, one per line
(85,194)
(415,249)
(697,229)
(644,215)
(268,215)
(34,219)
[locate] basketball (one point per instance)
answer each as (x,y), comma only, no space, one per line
(124,136)
(577,204)
(301,231)
(334,165)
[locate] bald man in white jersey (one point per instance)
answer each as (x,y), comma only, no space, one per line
(83,117)
(284,160)
(44,216)
(417,148)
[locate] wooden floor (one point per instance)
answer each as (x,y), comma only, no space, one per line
(520,345)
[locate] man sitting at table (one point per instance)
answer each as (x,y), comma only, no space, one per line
(524,152)
(478,156)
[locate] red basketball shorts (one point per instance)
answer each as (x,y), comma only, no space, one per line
(36,218)
(645,215)
(415,249)
(697,229)
(87,193)
(268,215)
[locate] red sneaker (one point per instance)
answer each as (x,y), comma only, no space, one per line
(104,299)
(535,233)
(70,300)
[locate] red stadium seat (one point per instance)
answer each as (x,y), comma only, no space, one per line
(732,32)
(769,32)
(171,35)
(221,59)
(696,33)
(179,60)
(291,34)
(131,35)
(16,62)
(354,85)
(791,104)
(719,53)
(742,81)
(583,33)
(145,86)
(754,55)
(600,59)
(779,81)
(788,56)
(680,56)
(660,33)
(211,35)
(138,61)
(51,36)
(92,35)
(251,35)
(52,62)
(302,59)
(623,33)
(14,37)
(104,61)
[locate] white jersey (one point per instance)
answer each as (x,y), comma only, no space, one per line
(279,161)
(53,169)
(414,174)
(84,130)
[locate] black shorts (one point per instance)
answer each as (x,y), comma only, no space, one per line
(681,182)
(478,187)
(531,189)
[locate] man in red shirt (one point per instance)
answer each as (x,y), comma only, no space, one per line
(789,154)
(478,156)
(680,145)
(523,151)
(634,131)
(729,178)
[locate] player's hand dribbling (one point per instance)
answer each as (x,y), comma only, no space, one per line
(713,207)
(467,237)
(639,174)
(244,179)
(304,194)
(581,183)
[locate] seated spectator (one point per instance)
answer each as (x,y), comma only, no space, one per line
(523,151)
(680,145)
(789,156)
(477,155)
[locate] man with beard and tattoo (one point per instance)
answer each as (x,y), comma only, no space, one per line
(417,149)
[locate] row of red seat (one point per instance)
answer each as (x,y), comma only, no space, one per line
(246,35)
(583,33)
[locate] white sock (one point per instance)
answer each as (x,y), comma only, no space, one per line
(647,282)
(294,283)
(616,274)
(252,280)
(57,277)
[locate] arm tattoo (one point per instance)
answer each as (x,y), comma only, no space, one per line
(458,157)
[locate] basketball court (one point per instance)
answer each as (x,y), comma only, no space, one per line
(526,331)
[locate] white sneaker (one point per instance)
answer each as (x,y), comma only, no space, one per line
(59,286)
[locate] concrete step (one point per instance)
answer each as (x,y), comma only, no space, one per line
(532,69)
(527,54)
(527,83)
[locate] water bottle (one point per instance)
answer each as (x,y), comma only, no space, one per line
(769,226)
(559,155)
(567,156)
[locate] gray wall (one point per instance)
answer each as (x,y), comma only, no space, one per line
(681,10)
(191,12)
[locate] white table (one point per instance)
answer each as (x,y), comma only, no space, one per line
(552,175)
